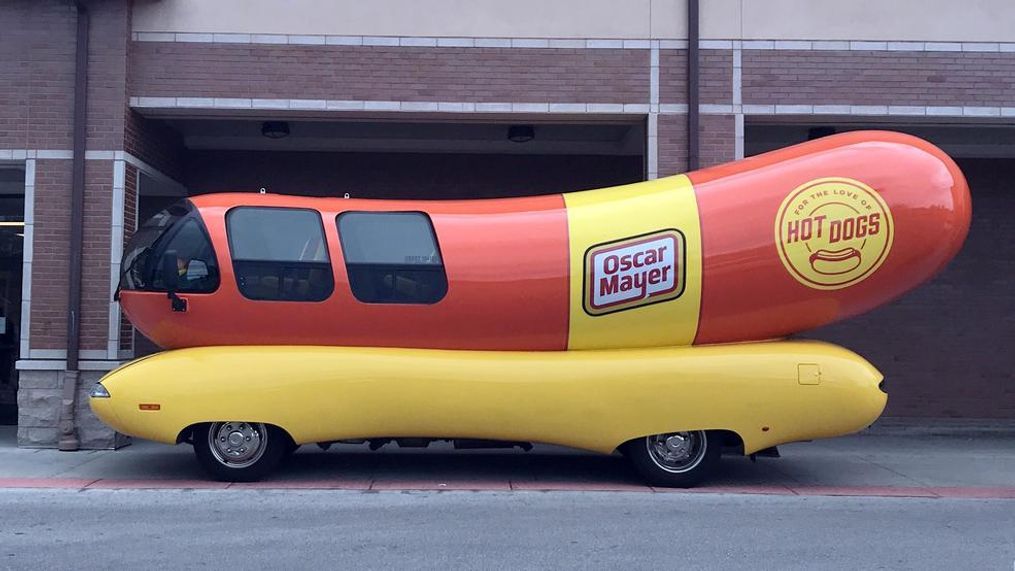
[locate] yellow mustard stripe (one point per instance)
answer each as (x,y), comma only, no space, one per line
(620,238)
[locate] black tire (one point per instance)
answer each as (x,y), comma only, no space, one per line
(246,466)
(289,451)
(703,450)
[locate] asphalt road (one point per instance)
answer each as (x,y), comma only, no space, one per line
(102,529)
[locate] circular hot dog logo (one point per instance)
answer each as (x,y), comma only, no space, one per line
(832,233)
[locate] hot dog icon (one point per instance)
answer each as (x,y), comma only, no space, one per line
(835,262)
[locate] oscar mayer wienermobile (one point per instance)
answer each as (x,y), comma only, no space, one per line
(645,318)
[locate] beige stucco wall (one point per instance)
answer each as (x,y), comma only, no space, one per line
(899,20)
(440,18)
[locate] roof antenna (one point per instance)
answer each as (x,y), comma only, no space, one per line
(264,190)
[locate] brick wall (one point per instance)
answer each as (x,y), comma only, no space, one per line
(672,144)
(155,143)
(715,80)
(108,37)
(107,100)
(672,76)
(715,140)
(95,255)
(109,45)
(390,73)
(36,74)
(715,68)
(50,255)
(783,77)
(716,132)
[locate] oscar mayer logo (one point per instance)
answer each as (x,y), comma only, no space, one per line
(633,272)
(832,233)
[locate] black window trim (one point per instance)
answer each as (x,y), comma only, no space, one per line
(327,254)
(159,249)
(433,236)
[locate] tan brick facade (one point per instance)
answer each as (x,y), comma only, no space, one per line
(784,77)
(390,73)
(36,75)
(50,257)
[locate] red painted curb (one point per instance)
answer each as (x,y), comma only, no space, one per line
(49,483)
(156,485)
(876,491)
(986,492)
(360,485)
(439,485)
(967,492)
(551,486)
(768,490)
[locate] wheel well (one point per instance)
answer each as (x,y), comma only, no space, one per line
(731,441)
(187,434)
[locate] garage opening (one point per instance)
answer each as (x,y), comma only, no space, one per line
(418,160)
(945,347)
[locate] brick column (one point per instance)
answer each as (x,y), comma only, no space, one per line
(46,30)
(672,144)
(717,139)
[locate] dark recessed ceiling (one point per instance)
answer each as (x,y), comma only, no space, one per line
(351,136)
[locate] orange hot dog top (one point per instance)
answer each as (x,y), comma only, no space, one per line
(758,248)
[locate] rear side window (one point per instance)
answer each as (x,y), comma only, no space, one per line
(392,257)
(279,254)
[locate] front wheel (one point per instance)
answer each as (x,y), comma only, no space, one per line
(239,451)
(675,459)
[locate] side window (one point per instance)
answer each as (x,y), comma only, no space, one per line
(392,257)
(195,260)
(279,254)
(176,231)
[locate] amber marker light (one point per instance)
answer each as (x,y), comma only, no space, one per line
(149,406)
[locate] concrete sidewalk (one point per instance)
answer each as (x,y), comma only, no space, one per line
(899,461)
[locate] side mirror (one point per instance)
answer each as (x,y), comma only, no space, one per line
(170,274)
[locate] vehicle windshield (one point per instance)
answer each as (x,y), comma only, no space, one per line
(178,231)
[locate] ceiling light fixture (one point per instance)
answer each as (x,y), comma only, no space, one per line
(521,133)
(275,129)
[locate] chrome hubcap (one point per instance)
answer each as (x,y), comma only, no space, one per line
(237,444)
(677,452)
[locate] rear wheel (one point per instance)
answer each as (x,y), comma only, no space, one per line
(239,451)
(675,459)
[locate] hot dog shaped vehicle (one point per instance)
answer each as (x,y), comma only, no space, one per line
(581,319)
